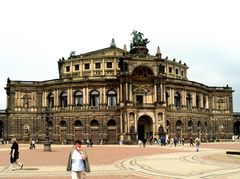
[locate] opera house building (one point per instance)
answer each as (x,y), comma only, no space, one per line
(112,94)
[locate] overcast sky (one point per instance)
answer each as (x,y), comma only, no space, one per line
(203,34)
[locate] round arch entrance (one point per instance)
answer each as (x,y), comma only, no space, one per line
(145,127)
(237,128)
(1,129)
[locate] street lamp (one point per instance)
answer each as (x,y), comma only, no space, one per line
(47,143)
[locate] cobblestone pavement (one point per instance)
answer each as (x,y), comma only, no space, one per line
(128,162)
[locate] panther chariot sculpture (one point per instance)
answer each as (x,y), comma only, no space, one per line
(139,44)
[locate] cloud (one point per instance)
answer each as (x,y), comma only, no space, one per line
(204,34)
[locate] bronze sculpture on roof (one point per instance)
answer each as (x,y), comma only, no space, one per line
(138,40)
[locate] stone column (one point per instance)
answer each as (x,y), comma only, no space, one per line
(121,124)
(87,95)
(155,92)
(130,92)
(207,102)
(104,102)
(120,92)
(127,91)
(201,101)
(118,95)
(135,122)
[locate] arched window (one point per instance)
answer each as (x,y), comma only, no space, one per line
(111,122)
(63,100)
(188,101)
(94,123)
(111,98)
(94,98)
(50,100)
(197,102)
(199,124)
(190,125)
(177,100)
(63,124)
(78,98)
(179,124)
(142,73)
(77,123)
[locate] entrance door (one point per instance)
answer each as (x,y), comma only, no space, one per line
(112,135)
(237,128)
(78,135)
(145,127)
(1,129)
(95,136)
(141,132)
(63,136)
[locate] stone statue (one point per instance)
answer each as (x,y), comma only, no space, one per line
(137,40)
(8,80)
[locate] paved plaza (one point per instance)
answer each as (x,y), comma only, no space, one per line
(128,162)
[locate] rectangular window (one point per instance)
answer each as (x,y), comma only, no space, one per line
(109,64)
(182,73)
(139,99)
(79,101)
(76,67)
(170,69)
(111,100)
(95,101)
(67,68)
(161,68)
(177,71)
(97,65)
(86,66)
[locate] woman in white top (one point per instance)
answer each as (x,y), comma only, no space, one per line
(78,161)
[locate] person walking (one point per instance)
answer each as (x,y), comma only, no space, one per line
(175,141)
(197,141)
(191,141)
(78,162)
(33,144)
(182,141)
(144,141)
(14,155)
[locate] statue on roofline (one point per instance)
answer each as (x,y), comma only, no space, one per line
(138,40)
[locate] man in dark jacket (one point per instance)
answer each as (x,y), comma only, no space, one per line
(14,155)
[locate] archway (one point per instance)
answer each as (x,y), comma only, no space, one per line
(179,128)
(50,130)
(1,129)
(111,126)
(142,73)
(145,127)
(94,131)
(237,128)
(77,130)
(63,131)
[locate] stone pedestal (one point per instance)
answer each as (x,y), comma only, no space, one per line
(47,147)
(139,50)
